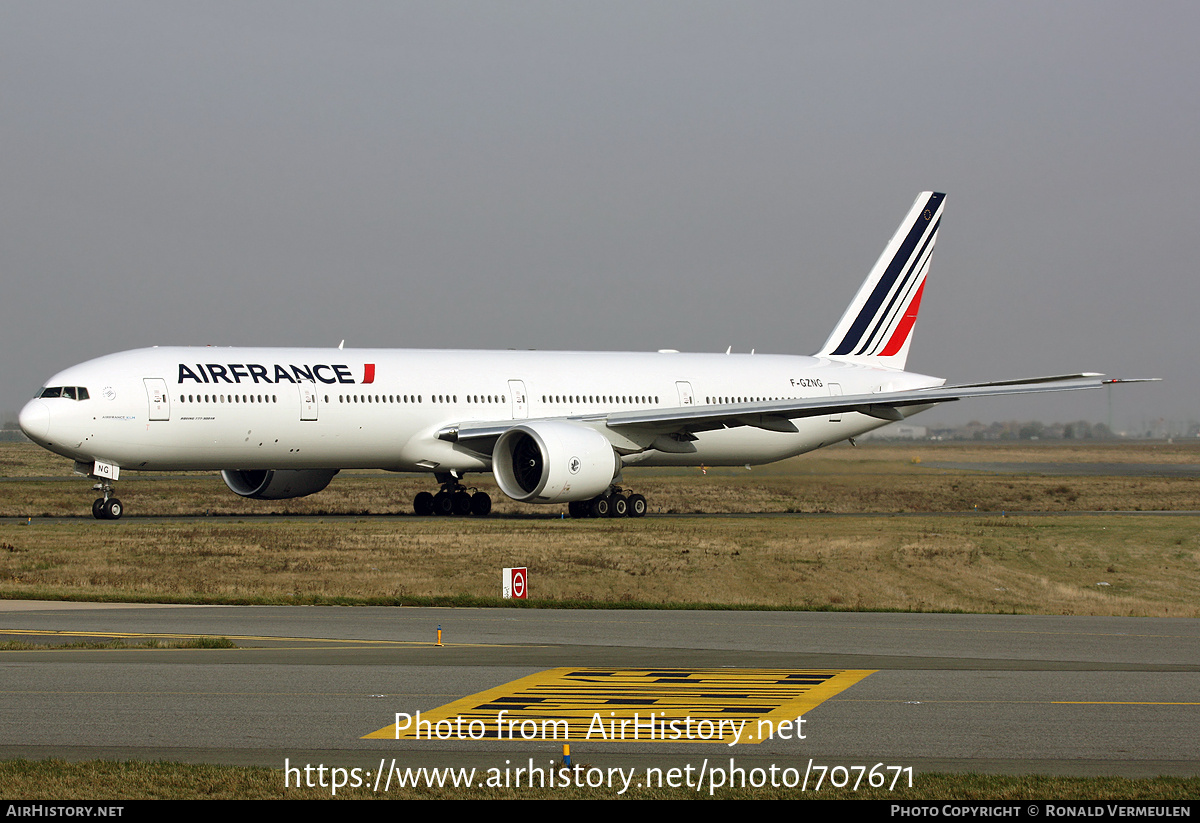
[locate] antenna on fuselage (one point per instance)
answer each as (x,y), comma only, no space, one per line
(341,344)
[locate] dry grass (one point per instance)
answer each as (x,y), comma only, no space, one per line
(983,562)
(58,780)
(1149,566)
(874,478)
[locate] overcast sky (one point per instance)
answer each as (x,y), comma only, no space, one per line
(572,175)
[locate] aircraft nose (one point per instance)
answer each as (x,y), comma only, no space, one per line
(35,420)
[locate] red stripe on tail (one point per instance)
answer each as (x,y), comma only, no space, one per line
(906,323)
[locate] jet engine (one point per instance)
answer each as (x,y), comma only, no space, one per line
(276,484)
(553,461)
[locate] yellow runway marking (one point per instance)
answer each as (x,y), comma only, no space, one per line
(716,705)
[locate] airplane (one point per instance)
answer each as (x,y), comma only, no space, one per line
(552,427)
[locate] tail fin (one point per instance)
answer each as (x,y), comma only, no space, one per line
(877,327)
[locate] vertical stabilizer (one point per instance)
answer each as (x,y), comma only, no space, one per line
(877,327)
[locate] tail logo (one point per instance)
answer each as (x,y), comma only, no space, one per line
(880,320)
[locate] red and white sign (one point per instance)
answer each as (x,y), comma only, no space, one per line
(516,583)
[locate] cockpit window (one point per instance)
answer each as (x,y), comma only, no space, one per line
(71,392)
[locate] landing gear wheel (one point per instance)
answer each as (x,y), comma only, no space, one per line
(443,504)
(423,504)
(453,499)
(462,503)
(618,506)
(600,507)
(98,508)
(637,505)
(578,508)
(481,504)
(112,509)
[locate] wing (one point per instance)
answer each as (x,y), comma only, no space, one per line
(778,415)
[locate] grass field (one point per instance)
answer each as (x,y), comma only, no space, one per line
(1117,564)
(60,780)
(988,557)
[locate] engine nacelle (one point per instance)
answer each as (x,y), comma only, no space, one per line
(553,461)
(276,484)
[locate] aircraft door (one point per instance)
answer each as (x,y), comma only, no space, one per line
(685,393)
(520,403)
(308,401)
(835,390)
(160,401)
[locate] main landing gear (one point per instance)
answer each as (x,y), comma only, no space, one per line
(106,507)
(453,500)
(614,503)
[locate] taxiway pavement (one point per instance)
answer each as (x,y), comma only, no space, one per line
(991,693)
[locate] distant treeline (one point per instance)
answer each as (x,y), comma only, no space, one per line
(1037,430)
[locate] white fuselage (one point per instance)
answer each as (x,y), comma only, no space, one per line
(213,408)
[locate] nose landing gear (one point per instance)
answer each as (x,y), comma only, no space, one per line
(106,507)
